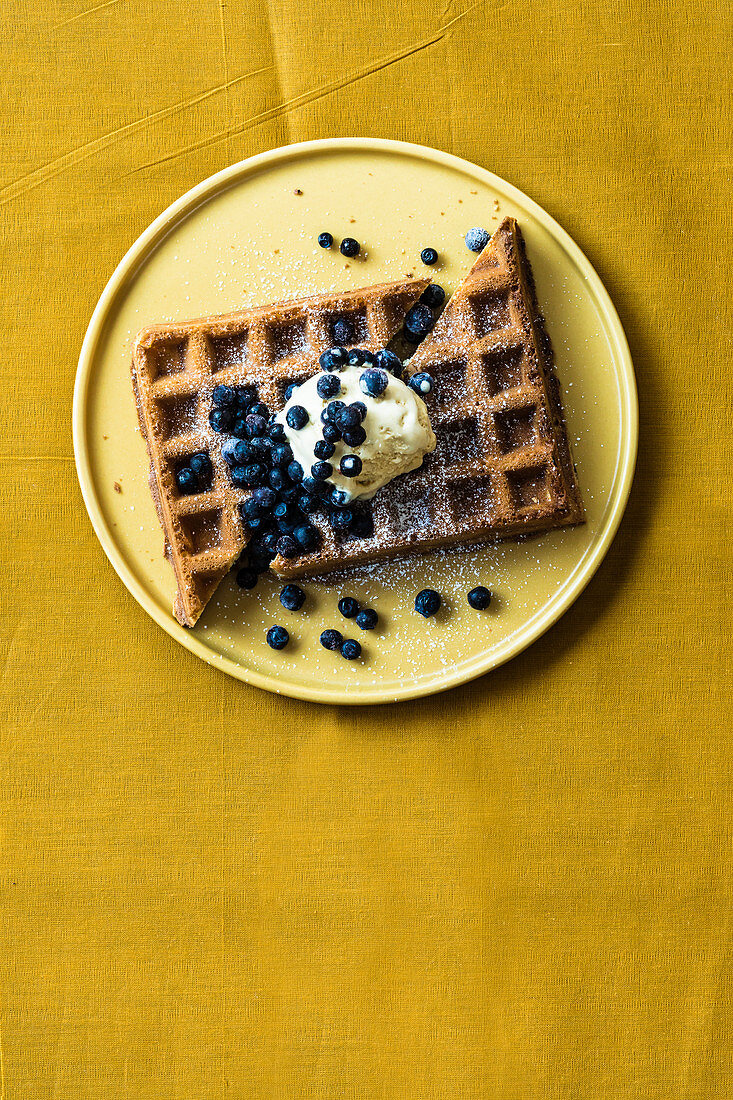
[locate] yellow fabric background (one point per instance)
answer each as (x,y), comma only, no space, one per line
(515,891)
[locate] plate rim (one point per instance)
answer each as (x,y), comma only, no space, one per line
(546,616)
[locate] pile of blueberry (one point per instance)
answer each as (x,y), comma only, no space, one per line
(284,496)
(420,319)
(195,475)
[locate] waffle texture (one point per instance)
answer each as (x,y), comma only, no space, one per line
(502,465)
(175,368)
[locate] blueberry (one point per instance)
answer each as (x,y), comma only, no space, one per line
(307,504)
(350,465)
(292,597)
(331,433)
(358,356)
(306,536)
(245,395)
(349,247)
(260,409)
(341,519)
(261,545)
(310,485)
(239,427)
(354,437)
(291,390)
(187,481)
(282,454)
(332,411)
(429,256)
(388,361)
(282,510)
(350,649)
(427,602)
(323,449)
(229,450)
(224,397)
(277,637)
(331,639)
(261,447)
(287,547)
(373,381)
(477,238)
(342,331)
(264,497)
(479,598)
(367,619)
(360,407)
(325,240)
(295,471)
(255,425)
(254,474)
(250,509)
(256,523)
(348,417)
(433,296)
(277,479)
(238,475)
(421,383)
(242,452)
(321,471)
(221,420)
(246,578)
(338,498)
(297,417)
(418,322)
(349,607)
(268,543)
(328,385)
(285,526)
(276,431)
(333,359)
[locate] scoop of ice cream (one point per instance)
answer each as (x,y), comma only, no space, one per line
(397,426)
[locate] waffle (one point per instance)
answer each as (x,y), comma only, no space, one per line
(174,370)
(502,464)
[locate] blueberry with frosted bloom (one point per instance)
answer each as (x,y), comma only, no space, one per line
(328,385)
(373,381)
(477,238)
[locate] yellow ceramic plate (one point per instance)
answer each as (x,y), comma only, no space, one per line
(247,236)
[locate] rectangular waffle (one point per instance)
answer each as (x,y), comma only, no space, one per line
(502,465)
(174,370)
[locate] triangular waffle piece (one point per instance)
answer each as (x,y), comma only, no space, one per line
(502,464)
(174,370)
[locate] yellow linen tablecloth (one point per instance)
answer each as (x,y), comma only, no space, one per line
(515,891)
